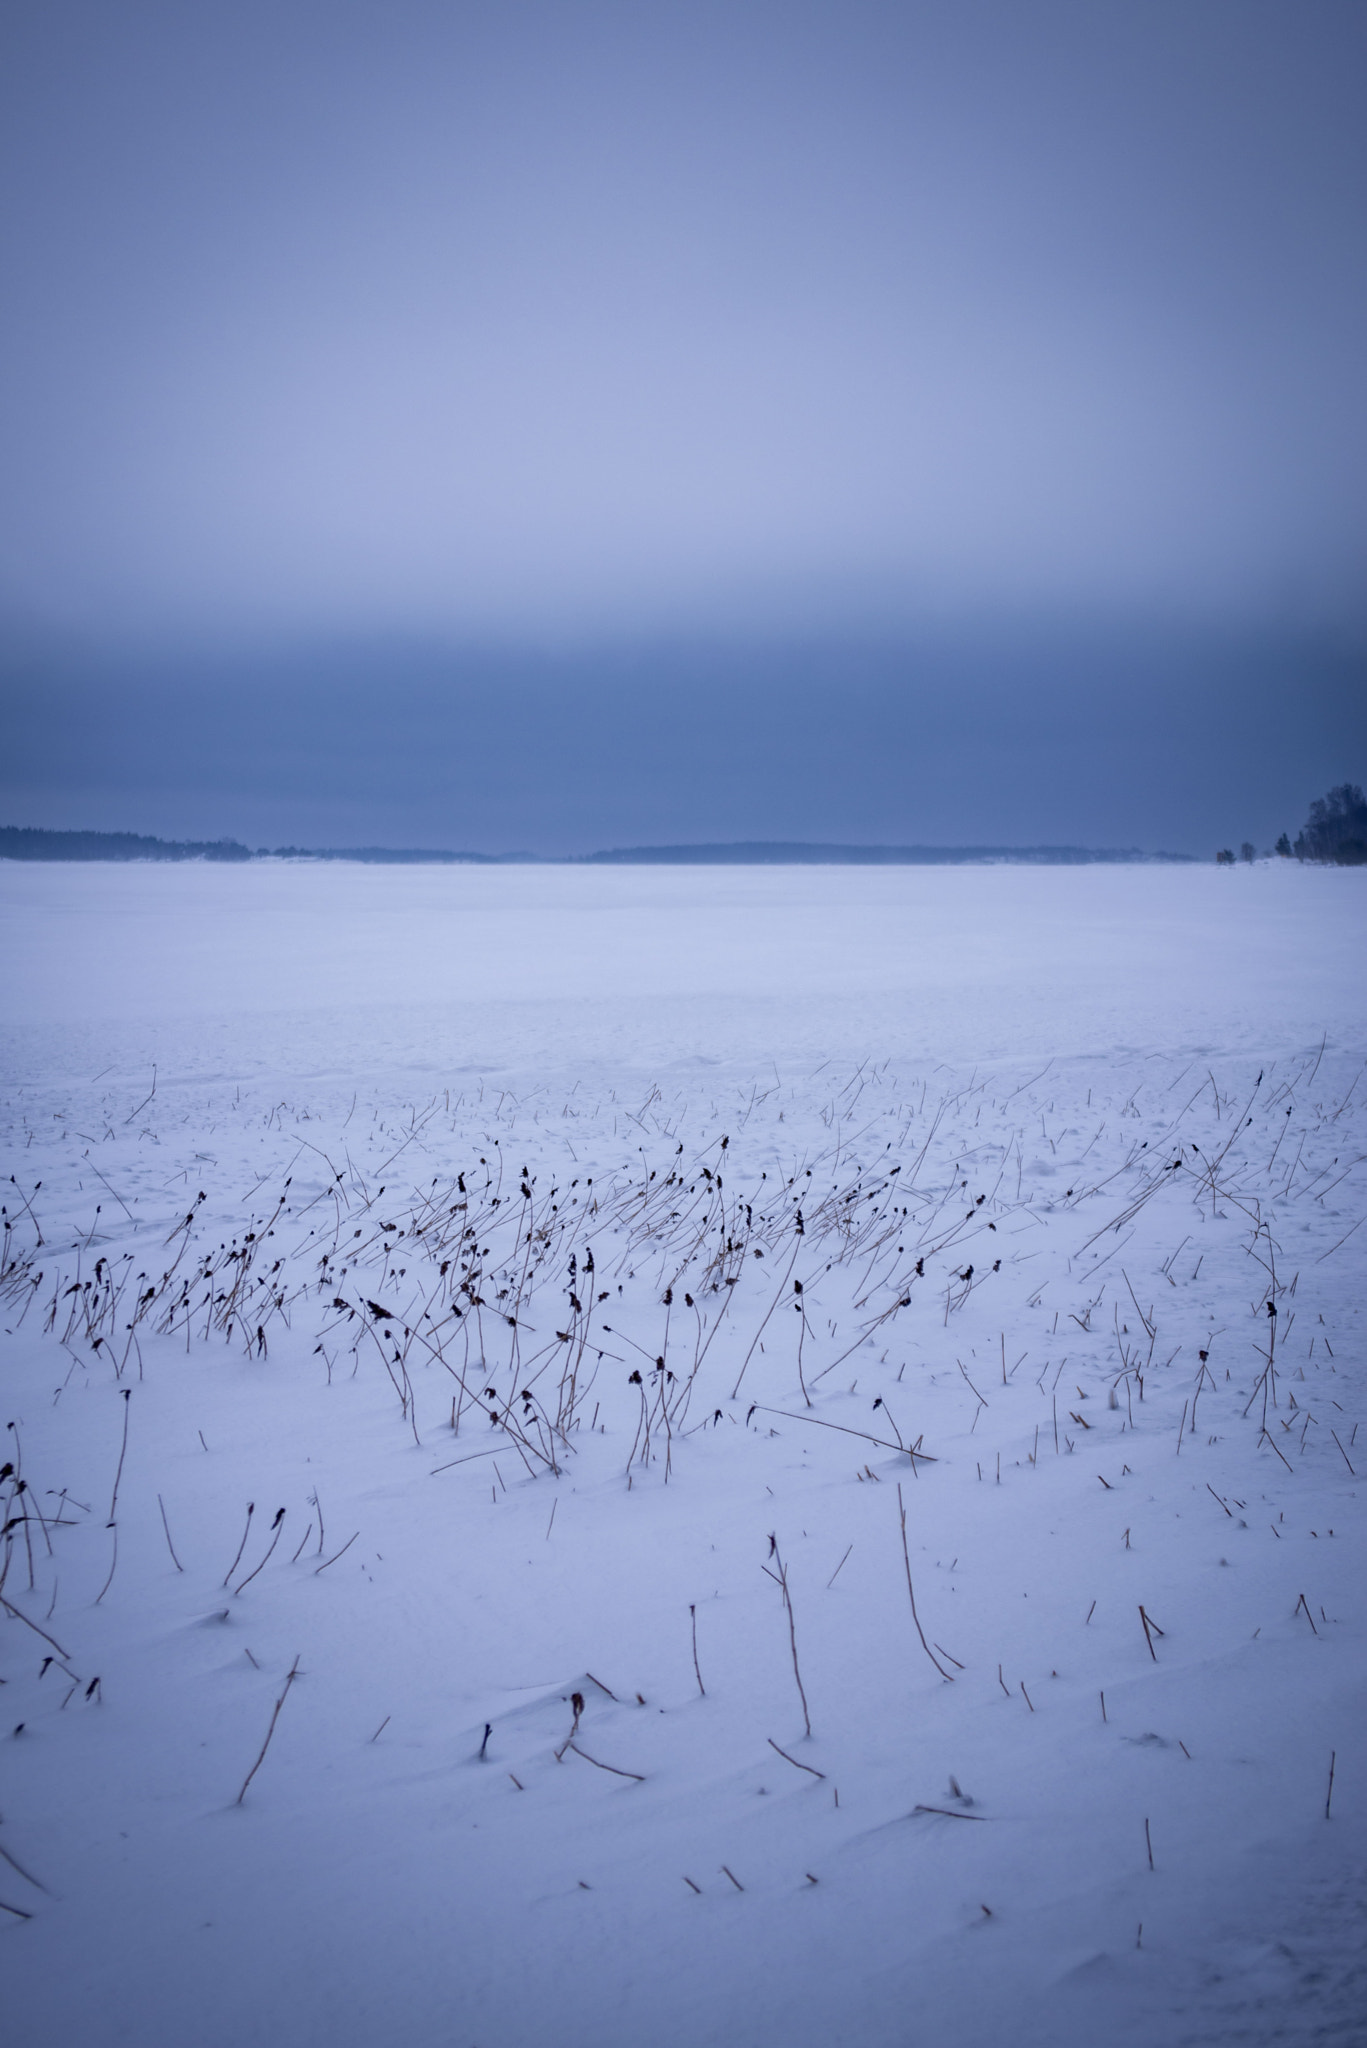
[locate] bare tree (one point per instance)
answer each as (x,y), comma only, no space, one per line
(1336,829)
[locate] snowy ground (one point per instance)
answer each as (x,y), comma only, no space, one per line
(456,1214)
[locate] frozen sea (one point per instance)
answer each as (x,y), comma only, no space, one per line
(772,1454)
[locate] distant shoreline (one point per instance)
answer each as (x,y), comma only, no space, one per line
(33,843)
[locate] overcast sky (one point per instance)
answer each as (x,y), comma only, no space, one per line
(569,326)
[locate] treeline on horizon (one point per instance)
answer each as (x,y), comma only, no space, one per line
(26,842)
(1335,832)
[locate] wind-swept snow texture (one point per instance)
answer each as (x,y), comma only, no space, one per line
(524,1345)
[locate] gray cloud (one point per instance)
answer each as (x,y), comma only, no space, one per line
(545,322)
(1014,736)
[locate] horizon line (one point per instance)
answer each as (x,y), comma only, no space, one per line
(31,842)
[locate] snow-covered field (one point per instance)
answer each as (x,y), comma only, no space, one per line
(775,1452)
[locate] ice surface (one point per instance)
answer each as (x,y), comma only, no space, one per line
(1125,1115)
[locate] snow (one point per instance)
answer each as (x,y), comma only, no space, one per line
(1127,1099)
